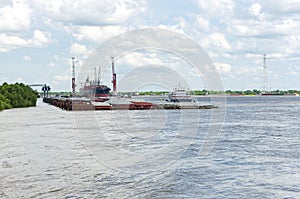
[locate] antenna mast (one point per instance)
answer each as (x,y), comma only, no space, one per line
(114,76)
(265,75)
(73,76)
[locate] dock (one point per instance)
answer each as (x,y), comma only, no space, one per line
(70,104)
(85,104)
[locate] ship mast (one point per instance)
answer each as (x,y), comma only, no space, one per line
(114,76)
(73,76)
(95,76)
(99,76)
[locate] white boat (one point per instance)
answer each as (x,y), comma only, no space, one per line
(179,94)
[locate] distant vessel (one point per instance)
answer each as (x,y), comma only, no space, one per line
(179,94)
(271,93)
(94,89)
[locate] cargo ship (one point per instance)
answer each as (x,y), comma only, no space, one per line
(103,99)
(94,89)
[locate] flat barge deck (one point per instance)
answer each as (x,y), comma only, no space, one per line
(83,104)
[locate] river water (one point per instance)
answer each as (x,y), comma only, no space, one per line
(50,153)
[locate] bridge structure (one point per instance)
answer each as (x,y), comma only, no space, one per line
(45,88)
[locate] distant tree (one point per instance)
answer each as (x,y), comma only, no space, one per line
(257,92)
(4,103)
(17,95)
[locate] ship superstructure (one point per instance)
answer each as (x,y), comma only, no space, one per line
(94,89)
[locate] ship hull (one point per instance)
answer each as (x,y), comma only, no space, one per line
(272,94)
(93,92)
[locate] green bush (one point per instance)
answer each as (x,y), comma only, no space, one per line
(16,96)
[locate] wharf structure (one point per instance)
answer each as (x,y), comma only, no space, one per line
(96,97)
(83,104)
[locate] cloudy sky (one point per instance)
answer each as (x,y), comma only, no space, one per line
(38,38)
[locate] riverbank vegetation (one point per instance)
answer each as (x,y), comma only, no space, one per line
(193,92)
(16,96)
(227,92)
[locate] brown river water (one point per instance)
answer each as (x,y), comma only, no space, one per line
(50,153)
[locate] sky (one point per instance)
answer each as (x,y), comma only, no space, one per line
(38,39)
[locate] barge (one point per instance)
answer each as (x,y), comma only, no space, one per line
(85,104)
(96,96)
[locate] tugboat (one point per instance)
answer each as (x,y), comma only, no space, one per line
(179,94)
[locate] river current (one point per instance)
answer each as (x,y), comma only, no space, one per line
(50,153)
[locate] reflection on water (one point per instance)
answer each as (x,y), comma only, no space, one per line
(50,153)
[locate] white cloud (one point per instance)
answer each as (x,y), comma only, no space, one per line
(293,70)
(263,29)
(282,7)
(40,39)
(217,8)
(137,59)
(202,23)
(252,70)
(64,77)
(79,50)
(56,57)
(223,68)
(27,58)
(91,12)
(293,44)
(255,10)
(253,56)
(219,41)
(51,64)
(96,34)
(10,42)
(244,30)
(179,28)
(15,17)
(277,55)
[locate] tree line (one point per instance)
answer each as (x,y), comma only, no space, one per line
(16,96)
(227,92)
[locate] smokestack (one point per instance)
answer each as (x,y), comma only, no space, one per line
(114,76)
(73,76)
